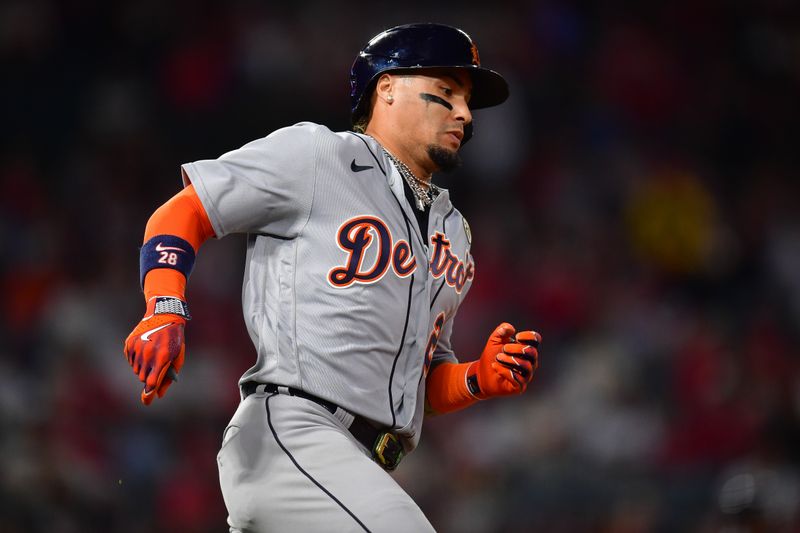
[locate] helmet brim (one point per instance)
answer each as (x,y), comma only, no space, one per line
(488,88)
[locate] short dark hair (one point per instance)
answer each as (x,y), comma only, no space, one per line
(363,114)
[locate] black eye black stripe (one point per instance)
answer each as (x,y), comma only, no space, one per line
(435,99)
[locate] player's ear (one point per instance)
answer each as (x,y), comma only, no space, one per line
(384,88)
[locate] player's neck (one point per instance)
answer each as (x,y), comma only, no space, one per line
(397,151)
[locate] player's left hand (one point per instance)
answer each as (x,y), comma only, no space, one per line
(155,350)
(507,363)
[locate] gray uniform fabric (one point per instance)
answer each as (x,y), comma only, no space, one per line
(287,464)
(343,299)
(360,346)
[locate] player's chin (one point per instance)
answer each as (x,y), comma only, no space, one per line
(445,159)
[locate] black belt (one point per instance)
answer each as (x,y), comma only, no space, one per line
(363,431)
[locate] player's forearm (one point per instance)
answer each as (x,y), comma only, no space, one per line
(163,282)
(505,368)
(184,226)
(446,388)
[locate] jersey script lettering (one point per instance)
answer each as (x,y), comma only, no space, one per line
(358,234)
(355,237)
(445,262)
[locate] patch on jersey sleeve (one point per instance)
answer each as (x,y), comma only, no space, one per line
(467,231)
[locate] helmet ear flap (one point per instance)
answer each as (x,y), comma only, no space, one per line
(468,131)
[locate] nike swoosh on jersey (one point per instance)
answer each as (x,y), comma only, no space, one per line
(146,335)
(161,248)
(359,168)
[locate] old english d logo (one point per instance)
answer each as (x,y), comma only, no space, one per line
(365,233)
(476,60)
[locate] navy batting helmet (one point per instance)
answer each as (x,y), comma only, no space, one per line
(415,46)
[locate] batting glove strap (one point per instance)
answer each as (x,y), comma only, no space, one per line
(472,385)
(171,305)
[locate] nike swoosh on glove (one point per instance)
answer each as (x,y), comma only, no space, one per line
(155,350)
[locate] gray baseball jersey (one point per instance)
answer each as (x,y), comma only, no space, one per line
(342,296)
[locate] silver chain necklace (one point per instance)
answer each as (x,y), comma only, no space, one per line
(424,193)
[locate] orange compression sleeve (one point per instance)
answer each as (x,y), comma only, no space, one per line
(446,388)
(182,215)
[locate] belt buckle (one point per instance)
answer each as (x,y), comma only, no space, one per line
(388,450)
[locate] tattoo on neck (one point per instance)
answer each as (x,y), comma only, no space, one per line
(436,100)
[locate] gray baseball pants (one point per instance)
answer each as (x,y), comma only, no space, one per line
(288,464)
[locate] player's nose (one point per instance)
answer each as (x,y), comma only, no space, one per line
(461,111)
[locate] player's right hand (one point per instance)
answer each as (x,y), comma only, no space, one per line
(155,350)
(507,363)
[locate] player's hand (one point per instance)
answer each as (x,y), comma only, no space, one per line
(155,348)
(507,363)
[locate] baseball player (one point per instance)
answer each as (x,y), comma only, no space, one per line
(356,265)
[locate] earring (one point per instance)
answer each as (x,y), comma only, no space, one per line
(390,98)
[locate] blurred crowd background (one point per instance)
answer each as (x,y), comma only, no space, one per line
(636,201)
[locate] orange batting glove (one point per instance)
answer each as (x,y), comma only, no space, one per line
(506,365)
(155,348)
